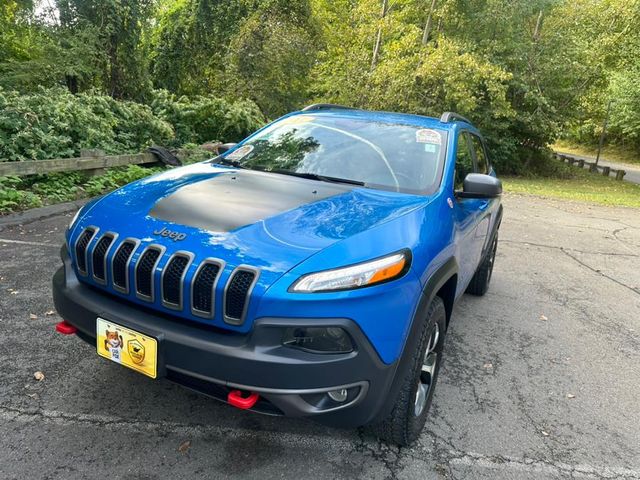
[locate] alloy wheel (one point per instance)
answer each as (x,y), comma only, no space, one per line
(427,372)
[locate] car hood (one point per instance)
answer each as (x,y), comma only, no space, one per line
(266,220)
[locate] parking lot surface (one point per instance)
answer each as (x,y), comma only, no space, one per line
(541,378)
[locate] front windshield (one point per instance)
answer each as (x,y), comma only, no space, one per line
(378,154)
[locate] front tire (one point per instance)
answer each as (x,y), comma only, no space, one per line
(480,282)
(409,414)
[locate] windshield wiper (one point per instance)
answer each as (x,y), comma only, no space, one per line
(315,176)
(231,163)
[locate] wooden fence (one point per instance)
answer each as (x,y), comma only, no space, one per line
(90,160)
(581,162)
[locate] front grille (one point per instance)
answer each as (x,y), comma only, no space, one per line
(99,257)
(120,264)
(180,289)
(203,289)
(144,272)
(81,249)
(237,295)
(172,280)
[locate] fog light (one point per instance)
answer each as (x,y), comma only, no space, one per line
(318,339)
(338,395)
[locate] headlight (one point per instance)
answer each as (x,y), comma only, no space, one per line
(355,276)
(75,217)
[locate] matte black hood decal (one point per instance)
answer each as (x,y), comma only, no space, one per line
(232,200)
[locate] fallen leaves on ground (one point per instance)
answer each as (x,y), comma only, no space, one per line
(184,446)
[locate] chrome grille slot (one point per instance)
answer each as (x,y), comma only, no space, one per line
(145,269)
(99,257)
(120,265)
(173,279)
(237,294)
(81,248)
(203,288)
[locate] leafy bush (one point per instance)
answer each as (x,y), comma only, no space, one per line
(204,118)
(12,198)
(117,177)
(56,124)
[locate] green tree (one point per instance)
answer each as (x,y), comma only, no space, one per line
(120,26)
(189,46)
(271,56)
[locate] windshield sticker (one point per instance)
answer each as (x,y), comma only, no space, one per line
(240,152)
(430,148)
(298,119)
(425,135)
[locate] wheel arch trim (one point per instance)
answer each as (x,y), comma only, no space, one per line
(445,273)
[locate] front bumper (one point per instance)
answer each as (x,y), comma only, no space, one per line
(290,382)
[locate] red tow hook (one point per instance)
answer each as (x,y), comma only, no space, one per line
(65,328)
(236,399)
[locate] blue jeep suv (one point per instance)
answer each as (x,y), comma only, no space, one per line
(310,270)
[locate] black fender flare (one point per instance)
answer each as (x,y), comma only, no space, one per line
(431,288)
(494,232)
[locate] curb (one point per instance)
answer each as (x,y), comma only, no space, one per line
(35,214)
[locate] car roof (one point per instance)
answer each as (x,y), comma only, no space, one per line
(388,117)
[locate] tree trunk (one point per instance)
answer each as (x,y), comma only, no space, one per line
(72,83)
(378,42)
(536,33)
(427,26)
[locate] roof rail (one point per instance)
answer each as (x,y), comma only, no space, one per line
(452,117)
(326,106)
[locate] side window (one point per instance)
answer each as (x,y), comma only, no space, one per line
(481,155)
(464,161)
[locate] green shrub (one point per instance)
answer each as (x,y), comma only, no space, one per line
(13,198)
(117,177)
(205,118)
(56,124)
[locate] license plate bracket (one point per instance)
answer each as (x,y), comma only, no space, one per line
(126,346)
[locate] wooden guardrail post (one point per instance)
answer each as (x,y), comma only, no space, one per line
(93,153)
(592,166)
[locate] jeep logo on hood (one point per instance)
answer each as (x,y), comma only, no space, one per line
(175,236)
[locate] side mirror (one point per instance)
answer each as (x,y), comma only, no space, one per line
(479,185)
(224,147)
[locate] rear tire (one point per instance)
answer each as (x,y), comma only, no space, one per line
(409,414)
(480,282)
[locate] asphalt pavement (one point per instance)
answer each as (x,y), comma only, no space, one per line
(541,377)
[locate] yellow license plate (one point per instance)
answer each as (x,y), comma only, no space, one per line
(127,347)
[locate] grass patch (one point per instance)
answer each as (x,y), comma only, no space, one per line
(613,153)
(580,186)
